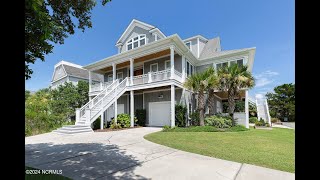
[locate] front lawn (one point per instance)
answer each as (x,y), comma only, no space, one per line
(272,149)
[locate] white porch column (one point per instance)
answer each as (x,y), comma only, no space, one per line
(131,71)
(90,97)
(173,113)
(101,120)
(172,61)
(90,81)
(268,114)
(131,108)
(183,68)
(113,72)
(115,111)
(88,116)
(247,109)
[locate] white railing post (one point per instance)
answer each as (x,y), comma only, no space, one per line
(172,61)
(268,114)
(131,108)
(131,71)
(101,86)
(90,81)
(183,68)
(173,114)
(149,77)
(247,108)
(77,114)
(102,120)
(88,116)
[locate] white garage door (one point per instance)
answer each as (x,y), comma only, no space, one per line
(159,113)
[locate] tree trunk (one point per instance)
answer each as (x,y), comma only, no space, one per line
(201,107)
(231,102)
(211,101)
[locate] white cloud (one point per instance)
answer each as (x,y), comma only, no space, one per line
(259,96)
(265,78)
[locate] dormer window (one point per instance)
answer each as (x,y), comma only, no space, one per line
(136,42)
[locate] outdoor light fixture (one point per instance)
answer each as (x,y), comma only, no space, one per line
(160,96)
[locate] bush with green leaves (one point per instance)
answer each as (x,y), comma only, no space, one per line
(275,120)
(115,125)
(141,116)
(166,128)
(123,120)
(195,118)
(253,119)
(262,122)
(181,114)
(96,124)
(258,123)
(218,121)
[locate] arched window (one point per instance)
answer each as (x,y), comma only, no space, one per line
(136,42)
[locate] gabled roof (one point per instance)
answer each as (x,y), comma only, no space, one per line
(133,24)
(211,47)
(194,37)
(81,73)
(223,53)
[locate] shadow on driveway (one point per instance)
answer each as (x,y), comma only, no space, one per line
(82,160)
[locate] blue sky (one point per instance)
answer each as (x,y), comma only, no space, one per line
(266,25)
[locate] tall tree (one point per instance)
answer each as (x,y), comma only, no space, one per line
(49,22)
(198,83)
(213,84)
(233,78)
(282,102)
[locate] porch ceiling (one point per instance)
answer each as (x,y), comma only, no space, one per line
(137,60)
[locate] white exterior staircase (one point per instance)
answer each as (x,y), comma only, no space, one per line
(263,110)
(88,113)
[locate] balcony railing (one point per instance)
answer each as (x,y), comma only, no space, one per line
(99,86)
(144,79)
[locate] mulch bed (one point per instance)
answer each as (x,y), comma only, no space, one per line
(109,129)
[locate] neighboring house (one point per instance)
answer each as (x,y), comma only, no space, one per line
(68,72)
(148,73)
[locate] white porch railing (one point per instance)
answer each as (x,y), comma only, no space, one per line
(99,86)
(93,101)
(156,76)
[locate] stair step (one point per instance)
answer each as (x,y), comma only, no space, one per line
(73,129)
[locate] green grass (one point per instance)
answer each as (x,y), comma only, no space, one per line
(43,176)
(205,129)
(268,148)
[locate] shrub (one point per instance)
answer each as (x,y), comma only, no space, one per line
(274,120)
(123,120)
(181,112)
(195,118)
(166,128)
(141,116)
(218,121)
(115,125)
(262,122)
(258,123)
(253,119)
(267,124)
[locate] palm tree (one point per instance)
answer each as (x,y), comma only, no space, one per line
(213,83)
(232,79)
(199,83)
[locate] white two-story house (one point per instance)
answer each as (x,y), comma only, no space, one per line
(148,73)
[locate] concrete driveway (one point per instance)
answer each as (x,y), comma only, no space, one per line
(127,155)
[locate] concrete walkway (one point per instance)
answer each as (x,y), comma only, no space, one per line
(127,155)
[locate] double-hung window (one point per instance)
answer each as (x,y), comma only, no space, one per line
(167,64)
(136,42)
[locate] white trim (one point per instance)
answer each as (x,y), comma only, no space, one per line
(68,63)
(121,75)
(165,64)
(197,36)
(198,42)
(150,70)
(111,77)
(143,106)
(134,41)
(157,31)
(190,45)
(130,27)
